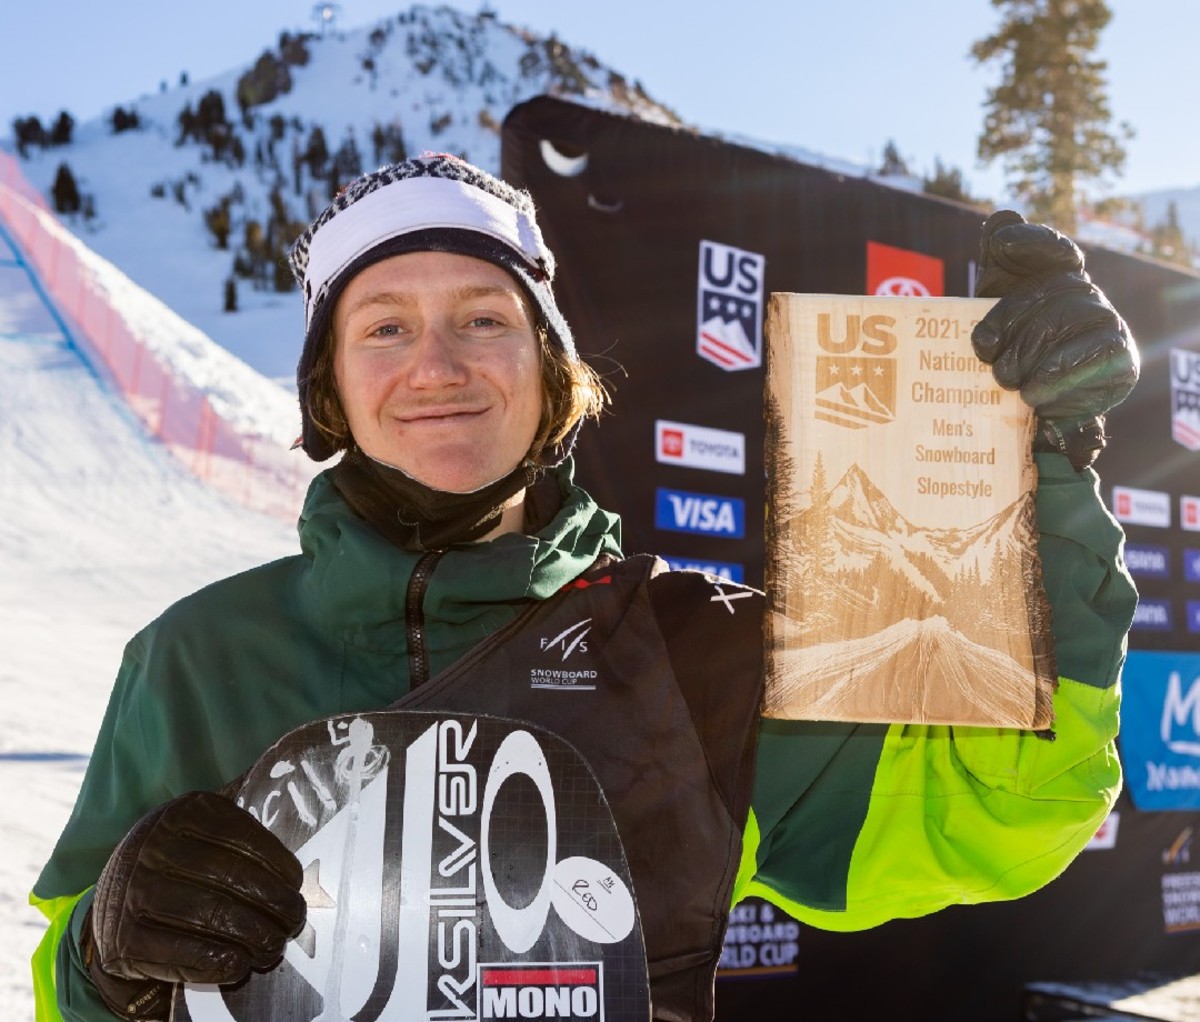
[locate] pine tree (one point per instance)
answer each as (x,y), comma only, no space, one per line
(893,164)
(817,547)
(28,131)
(60,134)
(1167,239)
(1049,117)
(187,124)
(947,182)
(316,153)
(218,221)
(346,163)
(124,120)
(65,191)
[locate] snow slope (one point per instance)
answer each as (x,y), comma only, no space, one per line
(100,528)
(439,79)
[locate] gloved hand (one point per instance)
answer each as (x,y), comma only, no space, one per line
(198,891)
(1053,335)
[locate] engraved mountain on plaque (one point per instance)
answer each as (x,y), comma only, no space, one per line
(933,613)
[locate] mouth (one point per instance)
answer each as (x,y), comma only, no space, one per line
(438,416)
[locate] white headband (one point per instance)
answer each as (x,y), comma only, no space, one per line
(416,204)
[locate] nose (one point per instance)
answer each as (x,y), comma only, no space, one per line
(435,362)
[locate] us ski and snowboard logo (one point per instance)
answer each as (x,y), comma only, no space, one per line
(1185,398)
(455,867)
(729,314)
(856,377)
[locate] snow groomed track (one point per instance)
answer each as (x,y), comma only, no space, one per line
(102,525)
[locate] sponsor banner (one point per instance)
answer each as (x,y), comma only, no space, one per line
(1152,615)
(714,450)
(1191,564)
(1181,899)
(1106,837)
(900,271)
(1189,513)
(1160,729)
(703,513)
(722,569)
(1185,398)
(1180,885)
(759,939)
(1142,507)
(729,306)
(1193,616)
(436,888)
(1148,561)
(544,990)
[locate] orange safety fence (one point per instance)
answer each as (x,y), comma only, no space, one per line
(256,470)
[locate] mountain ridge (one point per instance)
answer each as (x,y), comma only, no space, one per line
(188,168)
(197,205)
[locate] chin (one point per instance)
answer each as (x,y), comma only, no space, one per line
(454,482)
(449,470)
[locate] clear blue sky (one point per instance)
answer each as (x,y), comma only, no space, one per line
(837,78)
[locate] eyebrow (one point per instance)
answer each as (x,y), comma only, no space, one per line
(466,293)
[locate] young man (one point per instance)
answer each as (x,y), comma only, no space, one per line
(436,358)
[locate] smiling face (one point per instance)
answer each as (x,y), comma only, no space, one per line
(438,368)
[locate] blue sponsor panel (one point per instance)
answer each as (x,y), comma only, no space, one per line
(703,513)
(1160,729)
(1152,616)
(722,569)
(1193,616)
(1191,564)
(1147,561)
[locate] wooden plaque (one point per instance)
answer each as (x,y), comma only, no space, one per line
(902,571)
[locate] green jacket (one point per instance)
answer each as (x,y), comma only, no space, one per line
(851,824)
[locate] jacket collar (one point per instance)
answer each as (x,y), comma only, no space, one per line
(360,579)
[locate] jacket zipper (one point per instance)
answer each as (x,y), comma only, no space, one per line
(414,618)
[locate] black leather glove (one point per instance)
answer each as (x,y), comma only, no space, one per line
(197,892)
(1053,335)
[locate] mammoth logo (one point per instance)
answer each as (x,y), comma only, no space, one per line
(429,846)
(1180,725)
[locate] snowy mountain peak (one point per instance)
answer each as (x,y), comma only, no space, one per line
(858,501)
(224,173)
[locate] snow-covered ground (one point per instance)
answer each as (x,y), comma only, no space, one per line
(100,528)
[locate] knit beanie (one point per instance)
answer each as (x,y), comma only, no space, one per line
(433,203)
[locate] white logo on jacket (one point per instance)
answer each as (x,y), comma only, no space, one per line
(727,598)
(570,640)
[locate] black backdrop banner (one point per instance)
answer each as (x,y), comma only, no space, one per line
(668,245)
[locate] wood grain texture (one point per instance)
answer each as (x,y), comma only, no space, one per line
(902,571)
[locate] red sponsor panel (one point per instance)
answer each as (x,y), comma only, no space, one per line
(550,976)
(900,271)
(672,443)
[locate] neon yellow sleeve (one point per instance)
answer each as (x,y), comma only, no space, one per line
(964,815)
(58,912)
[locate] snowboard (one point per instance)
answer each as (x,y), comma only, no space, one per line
(455,867)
